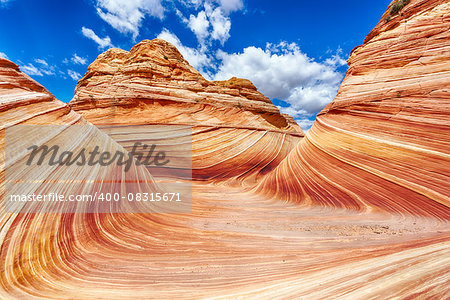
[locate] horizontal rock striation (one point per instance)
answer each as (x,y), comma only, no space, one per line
(237,131)
(383,143)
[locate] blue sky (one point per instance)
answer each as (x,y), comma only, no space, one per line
(293,51)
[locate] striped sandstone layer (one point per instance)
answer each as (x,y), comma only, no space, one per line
(383,143)
(236,131)
(240,244)
(233,243)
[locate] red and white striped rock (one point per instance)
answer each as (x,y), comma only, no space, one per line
(383,143)
(358,210)
(237,132)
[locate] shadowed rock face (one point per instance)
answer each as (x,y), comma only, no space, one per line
(383,143)
(368,186)
(237,131)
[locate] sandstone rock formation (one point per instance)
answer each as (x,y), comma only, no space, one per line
(383,143)
(237,131)
(30,115)
(358,209)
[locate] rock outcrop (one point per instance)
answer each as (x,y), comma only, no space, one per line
(237,131)
(383,143)
(368,211)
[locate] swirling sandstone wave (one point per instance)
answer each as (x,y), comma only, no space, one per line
(237,131)
(383,143)
(360,224)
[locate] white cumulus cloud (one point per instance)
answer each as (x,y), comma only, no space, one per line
(220,23)
(74,75)
(304,123)
(101,42)
(196,57)
(78,60)
(126,16)
(213,23)
(284,72)
(280,71)
(199,25)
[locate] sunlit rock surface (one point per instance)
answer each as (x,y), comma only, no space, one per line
(237,131)
(358,210)
(383,143)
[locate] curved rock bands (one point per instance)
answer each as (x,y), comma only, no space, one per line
(237,132)
(357,209)
(413,9)
(31,115)
(165,112)
(340,174)
(218,153)
(382,144)
(232,244)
